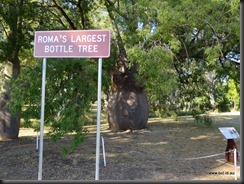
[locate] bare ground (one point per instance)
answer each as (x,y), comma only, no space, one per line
(168,149)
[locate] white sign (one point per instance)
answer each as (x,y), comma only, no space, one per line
(229,132)
(72,44)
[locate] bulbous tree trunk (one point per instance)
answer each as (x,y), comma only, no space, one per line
(127,104)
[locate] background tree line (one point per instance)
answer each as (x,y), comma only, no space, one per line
(178,56)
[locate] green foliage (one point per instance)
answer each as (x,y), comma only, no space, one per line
(70,88)
(156,73)
(18,20)
(233,95)
(205,120)
(224,105)
(197,34)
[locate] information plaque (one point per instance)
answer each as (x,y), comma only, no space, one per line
(229,132)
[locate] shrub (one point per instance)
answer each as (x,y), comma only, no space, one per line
(206,120)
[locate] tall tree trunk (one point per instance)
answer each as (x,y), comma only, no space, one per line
(9,122)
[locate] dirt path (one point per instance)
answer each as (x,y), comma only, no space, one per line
(166,150)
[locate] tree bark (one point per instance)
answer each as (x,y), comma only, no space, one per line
(127,110)
(9,122)
(127,105)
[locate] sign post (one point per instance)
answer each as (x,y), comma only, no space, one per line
(230,134)
(71,44)
(42,118)
(98,117)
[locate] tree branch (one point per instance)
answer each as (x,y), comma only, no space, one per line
(64,14)
(122,50)
(82,14)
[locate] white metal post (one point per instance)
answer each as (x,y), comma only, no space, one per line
(104,154)
(37,140)
(42,118)
(98,117)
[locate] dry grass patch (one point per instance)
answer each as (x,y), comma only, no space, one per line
(166,150)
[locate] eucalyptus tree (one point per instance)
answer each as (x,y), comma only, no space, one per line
(200,35)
